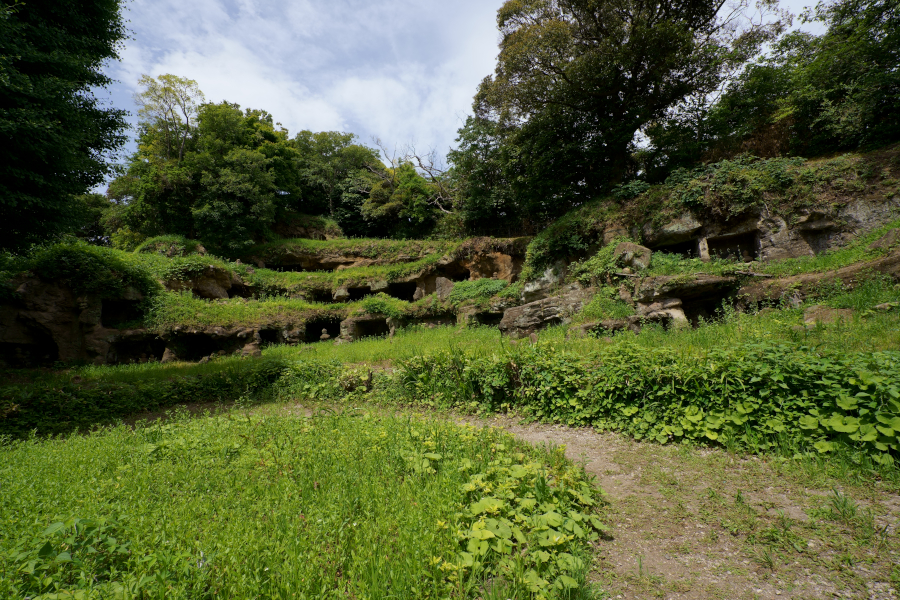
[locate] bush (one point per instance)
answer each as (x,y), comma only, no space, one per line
(170,245)
(84,268)
(476,290)
(757,397)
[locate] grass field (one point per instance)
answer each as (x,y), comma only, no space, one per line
(325,506)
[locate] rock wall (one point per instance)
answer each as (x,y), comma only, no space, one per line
(45,322)
(766,236)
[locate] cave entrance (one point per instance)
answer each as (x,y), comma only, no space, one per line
(138,350)
(818,241)
(358,293)
(743,247)
(705,308)
(402,290)
(322,296)
(455,272)
(490,319)
(270,337)
(688,249)
(117,314)
(314,330)
(42,351)
(195,347)
(372,328)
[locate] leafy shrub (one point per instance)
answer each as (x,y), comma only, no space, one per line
(600,265)
(632,189)
(85,269)
(74,554)
(606,305)
(382,304)
(476,290)
(61,406)
(754,396)
(170,245)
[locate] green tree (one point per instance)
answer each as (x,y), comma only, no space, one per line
(400,202)
(577,79)
(56,137)
(169,106)
(845,85)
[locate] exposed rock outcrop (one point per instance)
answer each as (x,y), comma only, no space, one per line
(47,322)
(766,236)
(545,285)
(799,286)
(658,289)
(213,283)
(634,256)
(521,321)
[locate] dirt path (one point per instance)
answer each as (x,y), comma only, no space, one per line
(697,523)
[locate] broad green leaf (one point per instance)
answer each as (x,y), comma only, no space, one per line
(847,403)
(824,447)
(808,422)
(842,424)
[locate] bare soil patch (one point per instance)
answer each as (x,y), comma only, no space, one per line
(699,523)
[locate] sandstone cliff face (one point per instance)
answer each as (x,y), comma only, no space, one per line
(213,283)
(46,322)
(766,236)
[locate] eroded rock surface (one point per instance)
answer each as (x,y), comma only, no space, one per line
(524,320)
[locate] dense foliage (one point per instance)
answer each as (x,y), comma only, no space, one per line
(556,126)
(233,178)
(55,135)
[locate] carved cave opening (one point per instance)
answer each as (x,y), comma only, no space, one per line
(270,337)
(405,290)
(372,328)
(41,352)
(743,247)
(358,293)
(137,350)
(491,319)
(688,249)
(314,330)
(195,347)
(320,295)
(116,314)
(818,241)
(706,308)
(455,272)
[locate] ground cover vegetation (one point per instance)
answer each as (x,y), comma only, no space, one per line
(737,117)
(293,507)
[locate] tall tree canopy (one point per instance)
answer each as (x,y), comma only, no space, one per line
(577,79)
(226,176)
(56,137)
(808,95)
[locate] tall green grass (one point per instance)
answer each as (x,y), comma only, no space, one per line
(330,506)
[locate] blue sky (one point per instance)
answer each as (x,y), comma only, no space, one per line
(399,70)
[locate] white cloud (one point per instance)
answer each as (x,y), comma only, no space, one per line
(399,70)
